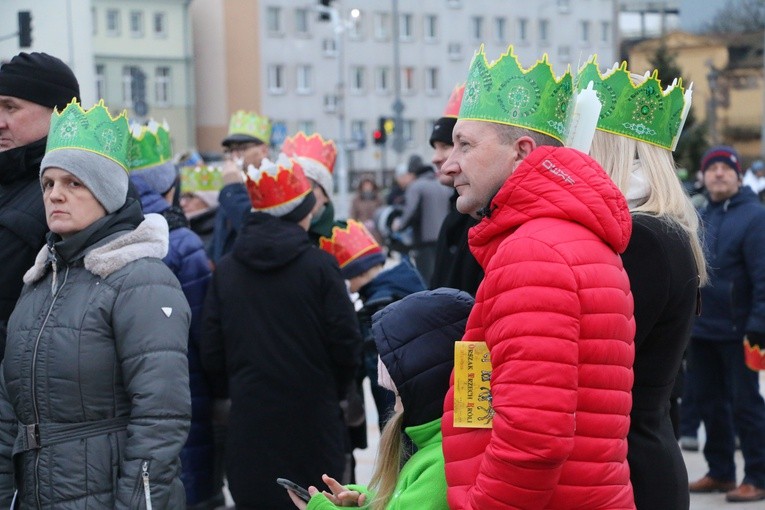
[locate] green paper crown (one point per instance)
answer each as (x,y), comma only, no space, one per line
(643,112)
(94,130)
(150,146)
(504,93)
(201,178)
(251,124)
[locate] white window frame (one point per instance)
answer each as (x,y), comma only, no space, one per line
(500,29)
(406,26)
(274,24)
(476,28)
(136,24)
(430,27)
(605,31)
(454,50)
(127,86)
(544,30)
(407,130)
(304,79)
(381,26)
(523,30)
(584,31)
(113,22)
(330,103)
(356,27)
(307,126)
(328,47)
(163,85)
(100,81)
(408,79)
(382,80)
(357,80)
(432,81)
(276,79)
(302,25)
(159,24)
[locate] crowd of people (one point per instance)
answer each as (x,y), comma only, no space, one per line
(169,326)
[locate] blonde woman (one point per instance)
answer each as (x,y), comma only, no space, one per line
(665,263)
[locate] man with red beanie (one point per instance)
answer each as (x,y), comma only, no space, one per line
(724,374)
(31,85)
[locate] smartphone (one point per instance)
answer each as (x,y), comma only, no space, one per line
(301,492)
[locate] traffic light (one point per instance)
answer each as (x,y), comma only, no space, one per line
(25,29)
(380,135)
(323,14)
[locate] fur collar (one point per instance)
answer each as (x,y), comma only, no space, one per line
(149,239)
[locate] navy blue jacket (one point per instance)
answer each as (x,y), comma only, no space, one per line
(233,210)
(733,302)
(187,259)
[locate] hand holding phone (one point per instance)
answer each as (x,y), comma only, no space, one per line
(301,492)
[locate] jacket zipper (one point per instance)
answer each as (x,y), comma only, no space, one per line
(34,387)
(146,486)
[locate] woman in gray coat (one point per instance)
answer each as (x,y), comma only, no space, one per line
(94,390)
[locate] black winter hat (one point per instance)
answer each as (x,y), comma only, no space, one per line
(39,78)
(442,131)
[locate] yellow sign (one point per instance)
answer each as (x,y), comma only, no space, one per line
(472,385)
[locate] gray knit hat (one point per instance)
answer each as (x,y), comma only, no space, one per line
(106,179)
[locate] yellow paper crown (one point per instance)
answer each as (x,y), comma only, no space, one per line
(249,124)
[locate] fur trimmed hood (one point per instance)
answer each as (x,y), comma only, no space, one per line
(149,239)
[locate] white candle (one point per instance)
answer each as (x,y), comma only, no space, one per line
(584,119)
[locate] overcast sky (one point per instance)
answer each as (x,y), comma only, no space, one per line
(695,13)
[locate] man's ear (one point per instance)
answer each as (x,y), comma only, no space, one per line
(523,147)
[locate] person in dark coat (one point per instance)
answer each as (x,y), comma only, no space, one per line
(280,328)
(31,85)
(155,179)
(454,267)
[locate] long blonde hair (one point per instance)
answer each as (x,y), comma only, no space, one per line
(390,455)
(666,198)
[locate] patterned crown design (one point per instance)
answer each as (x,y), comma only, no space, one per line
(201,178)
(455,100)
(250,124)
(277,187)
(349,242)
(754,357)
(505,93)
(150,146)
(94,130)
(314,147)
(644,112)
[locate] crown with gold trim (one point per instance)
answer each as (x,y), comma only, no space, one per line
(277,187)
(753,356)
(354,248)
(201,178)
(247,126)
(644,112)
(94,130)
(150,146)
(504,93)
(452,109)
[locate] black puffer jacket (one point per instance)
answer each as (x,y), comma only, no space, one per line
(415,339)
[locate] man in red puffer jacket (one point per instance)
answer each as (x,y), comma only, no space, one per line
(554,308)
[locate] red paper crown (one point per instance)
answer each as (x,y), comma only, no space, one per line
(349,243)
(277,184)
(314,147)
(455,101)
(753,356)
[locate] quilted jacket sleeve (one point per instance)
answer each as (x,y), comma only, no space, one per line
(151,323)
(531,311)
(8,426)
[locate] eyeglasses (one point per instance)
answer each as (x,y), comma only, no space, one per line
(239,147)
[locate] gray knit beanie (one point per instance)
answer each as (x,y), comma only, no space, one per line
(107,180)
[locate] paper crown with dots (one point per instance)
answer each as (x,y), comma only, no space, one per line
(641,111)
(94,130)
(150,146)
(354,248)
(505,93)
(452,109)
(248,126)
(277,187)
(201,178)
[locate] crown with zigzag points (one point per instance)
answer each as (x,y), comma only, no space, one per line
(349,242)
(94,130)
(249,124)
(504,93)
(277,187)
(201,178)
(455,100)
(641,111)
(150,146)
(314,147)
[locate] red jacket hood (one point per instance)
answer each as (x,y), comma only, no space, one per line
(555,182)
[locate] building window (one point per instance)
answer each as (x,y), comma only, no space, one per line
(160,24)
(276,79)
(381,26)
(544,30)
(301,21)
(523,29)
(100,81)
(94,17)
(605,31)
(357,79)
(162,86)
(430,27)
(328,47)
(405,29)
(382,80)
(274,20)
(127,84)
(431,81)
(407,80)
(407,131)
(356,28)
(330,103)
(112,22)
(584,31)
(476,27)
(454,50)
(500,29)
(306,126)
(136,24)
(304,79)
(564,54)
(564,6)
